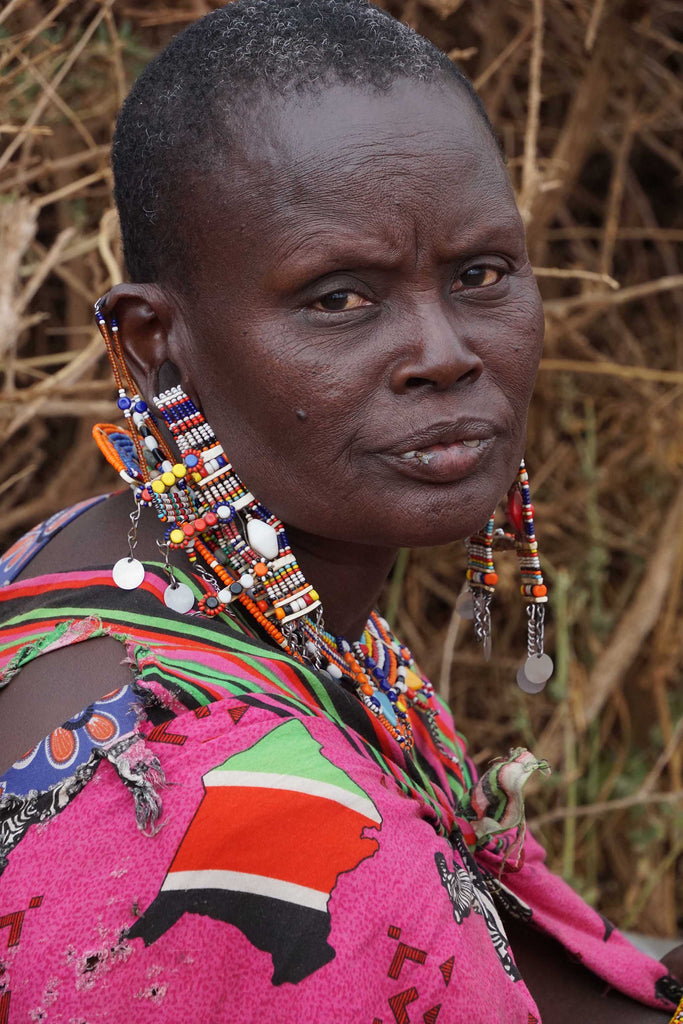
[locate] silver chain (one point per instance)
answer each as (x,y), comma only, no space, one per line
(535,629)
(206,576)
(133,531)
(481,600)
(168,568)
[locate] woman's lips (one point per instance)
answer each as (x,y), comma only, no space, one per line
(442,463)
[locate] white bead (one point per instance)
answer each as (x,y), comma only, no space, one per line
(166,466)
(247,580)
(334,670)
(150,442)
(138,419)
(225,595)
(262,538)
(125,476)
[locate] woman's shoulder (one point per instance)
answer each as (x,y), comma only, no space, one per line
(90,532)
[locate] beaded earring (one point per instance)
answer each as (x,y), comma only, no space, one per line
(475,602)
(481,577)
(251,537)
(538,667)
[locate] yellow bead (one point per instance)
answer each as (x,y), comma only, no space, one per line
(401,703)
(158,486)
(176,537)
(179,471)
(168,479)
(314,595)
(197,477)
(413,681)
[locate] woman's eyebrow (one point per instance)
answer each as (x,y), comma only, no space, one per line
(324,252)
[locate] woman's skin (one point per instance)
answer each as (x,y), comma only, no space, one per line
(357,287)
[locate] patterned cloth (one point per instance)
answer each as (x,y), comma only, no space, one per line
(231,837)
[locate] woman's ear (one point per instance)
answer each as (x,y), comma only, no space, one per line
(145,316)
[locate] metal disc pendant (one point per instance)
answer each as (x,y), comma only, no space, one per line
(539,668)
(525,684)
(464,605)
(487,647)
(128,573)
(178,598)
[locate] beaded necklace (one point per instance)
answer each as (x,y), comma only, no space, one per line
(240,549)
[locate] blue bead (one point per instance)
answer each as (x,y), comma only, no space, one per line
(191,461)
(387,708)
(371,663)
(380,672)
(384,686)
(123,403)
(141,406)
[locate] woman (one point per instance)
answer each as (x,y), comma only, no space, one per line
(258,815)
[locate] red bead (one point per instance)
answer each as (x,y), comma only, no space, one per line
(515,510)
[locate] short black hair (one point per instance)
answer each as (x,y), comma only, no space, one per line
(178,114)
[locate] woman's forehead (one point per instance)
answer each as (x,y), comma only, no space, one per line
(341,125)
(351,162)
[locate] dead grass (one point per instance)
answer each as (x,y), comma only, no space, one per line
(587,99)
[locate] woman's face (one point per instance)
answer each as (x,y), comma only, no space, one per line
(362,291)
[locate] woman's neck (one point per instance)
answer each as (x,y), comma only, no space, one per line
(348,577)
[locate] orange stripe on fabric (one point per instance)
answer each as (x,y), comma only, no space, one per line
(296,837)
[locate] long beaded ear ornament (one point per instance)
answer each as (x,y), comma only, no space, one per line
(240,550)
(475,601)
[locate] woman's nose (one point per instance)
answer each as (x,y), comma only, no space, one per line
(436,354)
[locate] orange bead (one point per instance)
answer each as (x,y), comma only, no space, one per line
(261,569)
(490,579)
(367,689)
(539,591)
(280,613)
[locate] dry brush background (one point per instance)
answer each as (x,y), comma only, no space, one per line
(586,95)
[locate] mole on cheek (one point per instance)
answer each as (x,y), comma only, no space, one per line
(301,414)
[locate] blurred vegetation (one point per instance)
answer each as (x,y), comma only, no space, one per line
(586,96)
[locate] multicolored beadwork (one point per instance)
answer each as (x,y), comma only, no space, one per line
(240,549)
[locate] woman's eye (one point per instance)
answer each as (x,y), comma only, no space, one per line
(478,277)
(340,301)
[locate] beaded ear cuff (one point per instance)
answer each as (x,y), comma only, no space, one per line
(475,602)
(240,549)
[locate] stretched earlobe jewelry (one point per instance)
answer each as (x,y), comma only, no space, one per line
(475,602)
(481,583)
